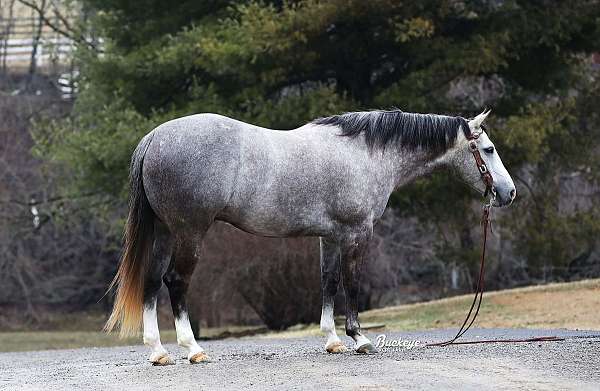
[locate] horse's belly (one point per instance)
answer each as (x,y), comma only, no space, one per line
(275,221)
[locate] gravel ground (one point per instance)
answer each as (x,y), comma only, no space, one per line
(268,363)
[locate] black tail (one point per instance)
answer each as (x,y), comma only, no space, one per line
(138,238)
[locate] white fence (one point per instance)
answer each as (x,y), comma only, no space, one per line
(18,51)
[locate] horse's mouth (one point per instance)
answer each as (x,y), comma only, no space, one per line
(497,202)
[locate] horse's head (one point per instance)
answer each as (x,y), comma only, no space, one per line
(466,162)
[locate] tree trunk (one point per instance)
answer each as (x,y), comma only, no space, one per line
(35,44)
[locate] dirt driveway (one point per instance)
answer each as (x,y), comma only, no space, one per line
(266,364)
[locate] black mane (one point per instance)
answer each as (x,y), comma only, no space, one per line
(429,132)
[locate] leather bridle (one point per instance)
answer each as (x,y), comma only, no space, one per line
(488,180)
(486,176)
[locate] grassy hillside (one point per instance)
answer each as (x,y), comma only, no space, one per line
(572,305)
(566,305)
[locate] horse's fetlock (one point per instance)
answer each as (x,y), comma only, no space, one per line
(150,338)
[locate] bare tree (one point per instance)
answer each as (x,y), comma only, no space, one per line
(53,254)
(63,26)
(6,32)
(278,279)
(35,42)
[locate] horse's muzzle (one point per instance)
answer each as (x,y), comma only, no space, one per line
(504,196)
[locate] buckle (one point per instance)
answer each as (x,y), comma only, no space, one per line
(474,136)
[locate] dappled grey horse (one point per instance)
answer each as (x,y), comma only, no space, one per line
(330,178)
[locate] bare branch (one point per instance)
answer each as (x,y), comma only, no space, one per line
(48,200)
(69,33)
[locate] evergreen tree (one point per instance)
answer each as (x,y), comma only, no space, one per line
(282,63)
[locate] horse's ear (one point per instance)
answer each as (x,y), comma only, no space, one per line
(477,121)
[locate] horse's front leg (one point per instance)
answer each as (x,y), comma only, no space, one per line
(330,279)
(353,253)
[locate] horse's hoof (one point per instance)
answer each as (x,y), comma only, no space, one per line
(199,357)
(336,347)
(162,360)
(367,348)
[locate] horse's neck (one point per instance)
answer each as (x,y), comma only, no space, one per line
(394,164)
(410,165)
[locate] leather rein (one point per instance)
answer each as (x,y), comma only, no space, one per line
(488,180)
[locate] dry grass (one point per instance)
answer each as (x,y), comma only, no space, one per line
(573,305)
(21,341)
(563,305)
(42,340)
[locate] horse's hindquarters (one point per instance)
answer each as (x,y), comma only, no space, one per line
(189,172)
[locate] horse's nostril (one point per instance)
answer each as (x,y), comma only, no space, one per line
(513,194)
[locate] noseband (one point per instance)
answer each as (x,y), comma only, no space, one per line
(486,177)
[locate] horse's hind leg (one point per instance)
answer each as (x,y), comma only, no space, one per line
(177,280)
(161,255)
(330,279)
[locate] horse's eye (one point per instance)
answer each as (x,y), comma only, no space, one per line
(489,150)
